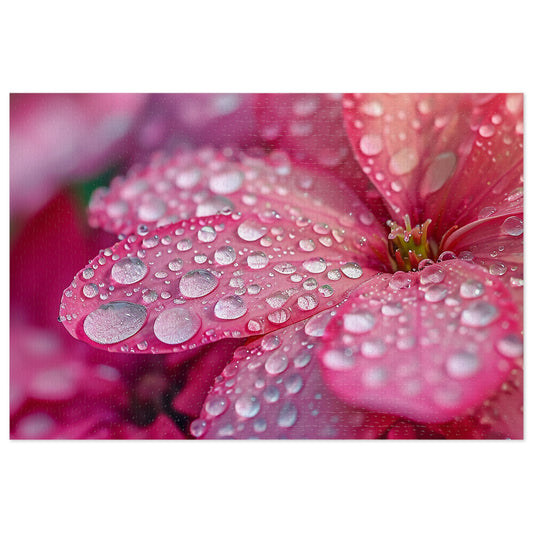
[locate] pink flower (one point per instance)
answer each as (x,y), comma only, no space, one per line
(406,329)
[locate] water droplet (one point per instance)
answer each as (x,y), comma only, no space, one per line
(150,242)
(439,172)
(184,245)
(287,415)
(175,265)
(175,326)
(271,394)
(392,309)
(307,302)
(257,260)
(373,108)
(198,428)
(225,255)
(216,405)
(128,270)
(247,405)
(307,245)
(310,284)
(230,308)
(285,268)
(359,321)
(315,265)
(250,230)
(214,205)
(498,269)
(280,316)
(90,290)
(207,234)
(226,182)
(371,144)
(338,360)
(88,273)
(432,274)
(400,280)
(197,283)
(511,345)
(277,363)
(513,226)
(114,322)
(254,326)
(487,130)
(403,162)
(152,209)
(436,293)
(334,275)
(373,348)
(149,296)
(352,270)
(271,342)
(254,289)
(471,289)
(486,212)
(462,365)
(479,314)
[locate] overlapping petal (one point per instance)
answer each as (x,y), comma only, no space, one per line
(439,156)
(427,345)
(206,279)
(273,390)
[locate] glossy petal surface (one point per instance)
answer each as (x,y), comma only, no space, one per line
(428,346)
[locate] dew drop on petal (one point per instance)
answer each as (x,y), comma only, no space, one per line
(403,162)
(257,260)
(184,245)
(175,265)
(216,405)
(178,325)
(225,255)
(338,360)
(198,428)
(280,316)
(432,274)
(462,365)
(359,321)
(513,226)
(352,270)
(271,394)
(270,342)
(307,302)
(392,309)
(226,182)
(250,230)
(498,269)
(287,415)
(373,108)
(114,322)
(197,283)
(247,405)
(285,268)
(373,348)
(277,363)
(436,293)
(439,172)
(479,314)
(316,265)
(511,345)
(128,270)
(471,289)
(207,234)
(90,290)
(487,130)
(88,273)
(230,308)
(371,144)
(214,205)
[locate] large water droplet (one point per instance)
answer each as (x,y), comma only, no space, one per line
(352,270)
(90,290)
(287,415)
(225,255)
(479,314)
(285,268)
(247,405)
(257,260)
(315,265)
(432,274)
(511,345)
(197,283)
(128,270)
(277,363)
(359,322)
(271,342)
(513,226)
(251,230)
(436,293)
(216,405)
(307,302)
(230,307)
(471,289)
(280,316)
(371,144)
(462,365)
(226,182)
(207,234)
(114,322)
(403,162)
(439,172)
(178,325)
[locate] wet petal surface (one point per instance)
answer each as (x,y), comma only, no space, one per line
(428,349)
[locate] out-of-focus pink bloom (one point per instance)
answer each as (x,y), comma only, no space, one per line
(56,138)
(419,320)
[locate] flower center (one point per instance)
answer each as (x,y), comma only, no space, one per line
(409,246)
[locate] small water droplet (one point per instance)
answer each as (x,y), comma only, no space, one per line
(338,360)
(128,270)
(271,342)
(114,322)
(432,274)
(352,270)
(285,268)
(226,182)
(462,365)
(198,428)
(511,345)
(207,234)
(498,269)
(247,405)
(436,293)
(373,348)
(471,289)
(251,230)
(392,309)
(149,296)
(513,226)
(479,314)
(277,363)
(90,290)
(88,273)
(225,255)
(175,265)
(216,405)
(315,265)
(371,144)
(197,283)
(214,205)
(403,162)
(307,245)
(257,260)
(487,130)
(287,415)
(439,172)
(280,316)
(230,308)
(373,108)
(271,394)
(359,321)
(175,326)
(307,302)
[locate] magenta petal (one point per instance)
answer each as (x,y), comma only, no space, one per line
(430,349)
(273,390)
(205,279)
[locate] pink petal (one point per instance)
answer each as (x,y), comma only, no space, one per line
(311,128)
(440,156)
(205,182)
(497,244)
(206,279)
(428,348)
(273,389)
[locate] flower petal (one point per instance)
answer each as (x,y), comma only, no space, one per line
(439,156)
(205,279)
(429,347)
(273,390)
